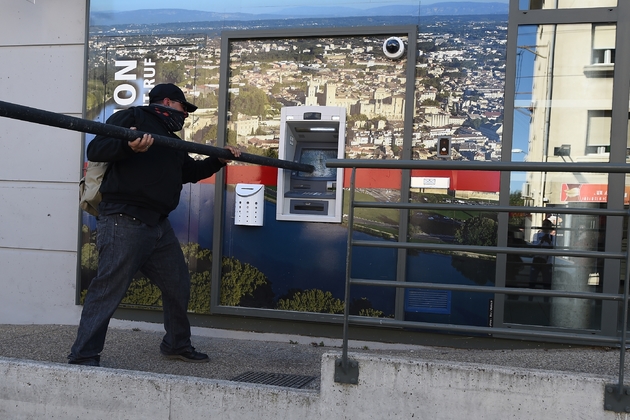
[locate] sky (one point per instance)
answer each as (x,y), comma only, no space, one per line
(255,6)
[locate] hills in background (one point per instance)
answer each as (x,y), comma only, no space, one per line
(159,16)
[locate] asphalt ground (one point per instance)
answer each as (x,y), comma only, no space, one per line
(135,347)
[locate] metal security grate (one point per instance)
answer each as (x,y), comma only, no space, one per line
(276,379)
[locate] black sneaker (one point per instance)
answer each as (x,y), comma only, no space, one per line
(84,362)
(189,355)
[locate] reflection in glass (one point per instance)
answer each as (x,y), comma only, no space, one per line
(584,274)
(563,109)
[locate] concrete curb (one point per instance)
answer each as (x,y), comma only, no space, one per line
(54,391)
(389,387)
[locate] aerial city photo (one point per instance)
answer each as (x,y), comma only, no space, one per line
(460,72)
(458,93)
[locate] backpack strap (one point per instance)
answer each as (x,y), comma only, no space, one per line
(89,186)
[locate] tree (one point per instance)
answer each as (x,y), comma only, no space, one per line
(276,89)
(431,81)
(143,292)
(96,94)
(231,137)
(89,256)
(396,150)
(89,262)
(476,123)
(200,284)
(430,102)
(363,307)
(516,199)
(240,280)
(241,284)
(208,100)
(356,117)
(427,46)
(207,135)
(250,101)
(313,300)
(267,152)
(198,258)
(170,72)
(478,230)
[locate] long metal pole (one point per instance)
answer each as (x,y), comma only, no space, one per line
(39,116)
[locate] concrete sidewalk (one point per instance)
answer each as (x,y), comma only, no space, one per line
(135,346)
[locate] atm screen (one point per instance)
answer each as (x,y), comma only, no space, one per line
(318,158)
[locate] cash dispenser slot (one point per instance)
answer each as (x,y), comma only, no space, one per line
(309,207)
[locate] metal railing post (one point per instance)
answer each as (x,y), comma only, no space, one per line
(347,371)
(617,397)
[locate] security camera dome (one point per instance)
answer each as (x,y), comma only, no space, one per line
(393,47)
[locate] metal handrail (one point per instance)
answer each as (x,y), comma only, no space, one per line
(347,370)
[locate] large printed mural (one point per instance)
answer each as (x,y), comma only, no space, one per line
(300,266)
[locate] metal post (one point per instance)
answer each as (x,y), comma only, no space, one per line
(624,323)
(617,397)
(347,371)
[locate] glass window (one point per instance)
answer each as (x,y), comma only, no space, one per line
(562,107)
(604,44)
(564,4)
(562,114)
(598,133)
(270,76)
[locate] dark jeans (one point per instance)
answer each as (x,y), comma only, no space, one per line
(126,245)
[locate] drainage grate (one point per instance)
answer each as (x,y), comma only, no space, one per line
(276,379)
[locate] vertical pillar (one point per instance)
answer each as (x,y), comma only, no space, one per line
(574,274)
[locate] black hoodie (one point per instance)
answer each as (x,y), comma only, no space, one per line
(151,180)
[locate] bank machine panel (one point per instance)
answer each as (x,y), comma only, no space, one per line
(311,135)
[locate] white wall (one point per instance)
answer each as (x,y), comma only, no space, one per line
(42,51)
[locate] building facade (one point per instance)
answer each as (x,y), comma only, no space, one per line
(560,64)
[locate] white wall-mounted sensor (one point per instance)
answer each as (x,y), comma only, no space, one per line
(249,204)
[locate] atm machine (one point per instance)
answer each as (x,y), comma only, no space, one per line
(311,135)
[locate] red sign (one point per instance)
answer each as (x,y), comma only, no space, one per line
(589,193)
(486,181)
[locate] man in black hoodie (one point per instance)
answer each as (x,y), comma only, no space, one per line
(141,187)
